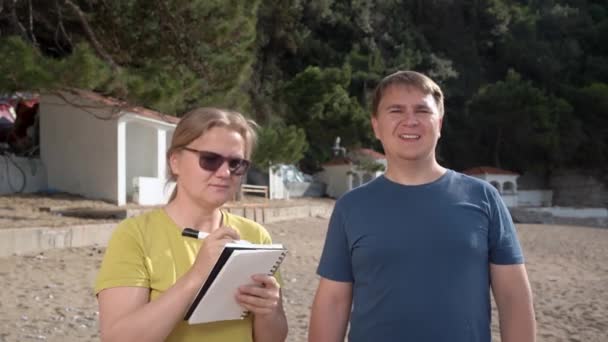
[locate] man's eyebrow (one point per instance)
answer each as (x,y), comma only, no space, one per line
(422,106)
(395,106)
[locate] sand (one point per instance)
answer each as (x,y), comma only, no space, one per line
(48,296)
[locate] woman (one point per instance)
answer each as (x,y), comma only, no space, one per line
(150,273)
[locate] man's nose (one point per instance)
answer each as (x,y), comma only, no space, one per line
(409,119)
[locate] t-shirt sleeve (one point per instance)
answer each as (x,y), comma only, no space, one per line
(504,247)
(124,261)
(335,263)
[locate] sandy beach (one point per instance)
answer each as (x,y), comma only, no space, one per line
(48,296)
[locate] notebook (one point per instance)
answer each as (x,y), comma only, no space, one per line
(238,262)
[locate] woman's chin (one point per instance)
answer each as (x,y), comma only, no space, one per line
(218,199)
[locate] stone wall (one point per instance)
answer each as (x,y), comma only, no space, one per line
(29,240)
(524,215)
(579,188)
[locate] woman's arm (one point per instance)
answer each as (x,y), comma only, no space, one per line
(265,302)
(127,314)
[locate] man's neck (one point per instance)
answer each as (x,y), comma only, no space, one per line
(415,172)
(186,213)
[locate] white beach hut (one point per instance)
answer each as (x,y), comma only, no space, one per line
(99,147)
(343,174)
(504,181)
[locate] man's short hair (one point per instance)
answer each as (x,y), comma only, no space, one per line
(412,79)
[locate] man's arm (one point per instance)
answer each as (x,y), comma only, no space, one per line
(330,311)
(513,297)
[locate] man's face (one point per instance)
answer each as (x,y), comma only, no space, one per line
(407,123)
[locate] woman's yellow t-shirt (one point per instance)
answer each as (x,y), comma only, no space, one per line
(149,251)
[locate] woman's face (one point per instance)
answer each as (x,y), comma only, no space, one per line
(205,186)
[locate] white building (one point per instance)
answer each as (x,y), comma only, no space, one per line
(101,148)
(343,174)
(503,180)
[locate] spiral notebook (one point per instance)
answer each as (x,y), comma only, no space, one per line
(238,262)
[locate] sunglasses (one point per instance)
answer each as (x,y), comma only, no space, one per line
(211,161)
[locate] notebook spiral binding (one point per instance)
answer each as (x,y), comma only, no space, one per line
(276,265)
(272,271)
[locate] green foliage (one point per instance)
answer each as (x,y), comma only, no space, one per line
(279,144)
(154,86)
(314,64)
(518,124)
(317,100)
(591,103)
(92,72)
(202,48)
(22,68)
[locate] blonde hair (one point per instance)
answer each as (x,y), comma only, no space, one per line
(199,121)
(412,79)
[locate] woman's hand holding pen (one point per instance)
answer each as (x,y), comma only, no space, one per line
(212,247)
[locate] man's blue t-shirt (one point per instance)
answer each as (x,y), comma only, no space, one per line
(418,257)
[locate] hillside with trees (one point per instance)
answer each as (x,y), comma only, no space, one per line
(526,82)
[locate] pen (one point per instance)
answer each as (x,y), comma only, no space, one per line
(193,233)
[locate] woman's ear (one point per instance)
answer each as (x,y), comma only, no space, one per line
(174,163)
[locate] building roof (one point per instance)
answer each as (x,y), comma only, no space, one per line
(121,107)
(338,161)
(352,157)
(368,152)
(488,170)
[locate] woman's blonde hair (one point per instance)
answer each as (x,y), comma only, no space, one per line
(199,121)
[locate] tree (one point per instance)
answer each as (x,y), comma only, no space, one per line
(279,144)
(591,103)
(516,124)
(317,101)
(167,54)
(314,64)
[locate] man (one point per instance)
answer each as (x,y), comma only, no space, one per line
(410,255)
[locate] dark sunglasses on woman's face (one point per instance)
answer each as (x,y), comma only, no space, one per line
(212,161)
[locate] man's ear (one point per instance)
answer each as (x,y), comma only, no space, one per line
(374,121)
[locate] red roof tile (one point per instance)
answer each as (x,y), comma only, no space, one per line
(337,161)
(369,153)
(123,106)
(366,152)
(481,170)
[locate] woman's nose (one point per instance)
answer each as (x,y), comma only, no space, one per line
(224,170)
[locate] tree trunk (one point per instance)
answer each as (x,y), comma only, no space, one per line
(497,144)
(90,35)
